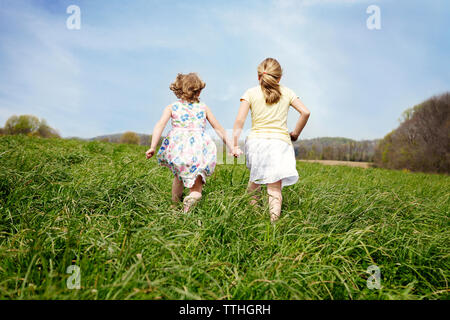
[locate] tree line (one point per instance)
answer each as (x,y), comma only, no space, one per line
(28,125)
(342,149)
(422,140)
(31,125)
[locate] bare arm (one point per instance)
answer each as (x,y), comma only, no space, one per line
(218,128)
(240,121)
(304,116)
(157,131)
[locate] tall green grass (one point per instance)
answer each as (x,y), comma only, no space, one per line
(106,209)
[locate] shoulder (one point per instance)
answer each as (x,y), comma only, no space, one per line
(289,93)
(174,106)
(202,105)
(254,90)
(168,111)
(251,93)
(286,90)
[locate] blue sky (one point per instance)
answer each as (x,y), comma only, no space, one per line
(113,74)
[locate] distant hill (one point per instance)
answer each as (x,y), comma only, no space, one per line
(144,138)
(335,148)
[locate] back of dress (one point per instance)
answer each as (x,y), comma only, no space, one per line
(188,150)
(188,115)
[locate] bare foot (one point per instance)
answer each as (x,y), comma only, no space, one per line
(254,200)
(274,217)
(189,202)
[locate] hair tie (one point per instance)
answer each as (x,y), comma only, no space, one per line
(264,72)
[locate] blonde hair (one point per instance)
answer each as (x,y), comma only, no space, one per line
(269,74)
(187,87)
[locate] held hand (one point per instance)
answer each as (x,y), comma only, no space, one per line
(150,152)
(236,152)
(294,136)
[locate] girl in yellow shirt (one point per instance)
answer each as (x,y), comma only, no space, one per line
(268,148)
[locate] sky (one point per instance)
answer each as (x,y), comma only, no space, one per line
(113,74)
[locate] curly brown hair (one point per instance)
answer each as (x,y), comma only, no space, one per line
(188,87)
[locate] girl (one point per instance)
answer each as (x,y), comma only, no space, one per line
(268,147)
(187,150)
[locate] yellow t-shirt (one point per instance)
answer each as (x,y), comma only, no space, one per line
(269,121)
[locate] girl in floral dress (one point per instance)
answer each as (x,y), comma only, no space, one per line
(188,150)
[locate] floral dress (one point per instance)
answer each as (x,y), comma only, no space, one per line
(188,150)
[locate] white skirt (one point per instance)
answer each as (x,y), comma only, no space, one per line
(271,160)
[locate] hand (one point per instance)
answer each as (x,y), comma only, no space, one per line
(294,136)
(150,153)
(236,152)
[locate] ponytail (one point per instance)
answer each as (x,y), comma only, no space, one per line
(269,74)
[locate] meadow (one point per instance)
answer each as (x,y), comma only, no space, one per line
(106,209)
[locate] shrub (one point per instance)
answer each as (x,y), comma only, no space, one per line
(45,131)
(24,124)
(129,137)
(29,125)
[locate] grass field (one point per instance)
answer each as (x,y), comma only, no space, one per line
(341,163)
(106,209)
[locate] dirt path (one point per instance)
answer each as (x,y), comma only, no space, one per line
(341,163)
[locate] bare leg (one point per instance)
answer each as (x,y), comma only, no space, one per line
(177,189)
(195,194)
(198,186)
(253,189)
(275,200)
